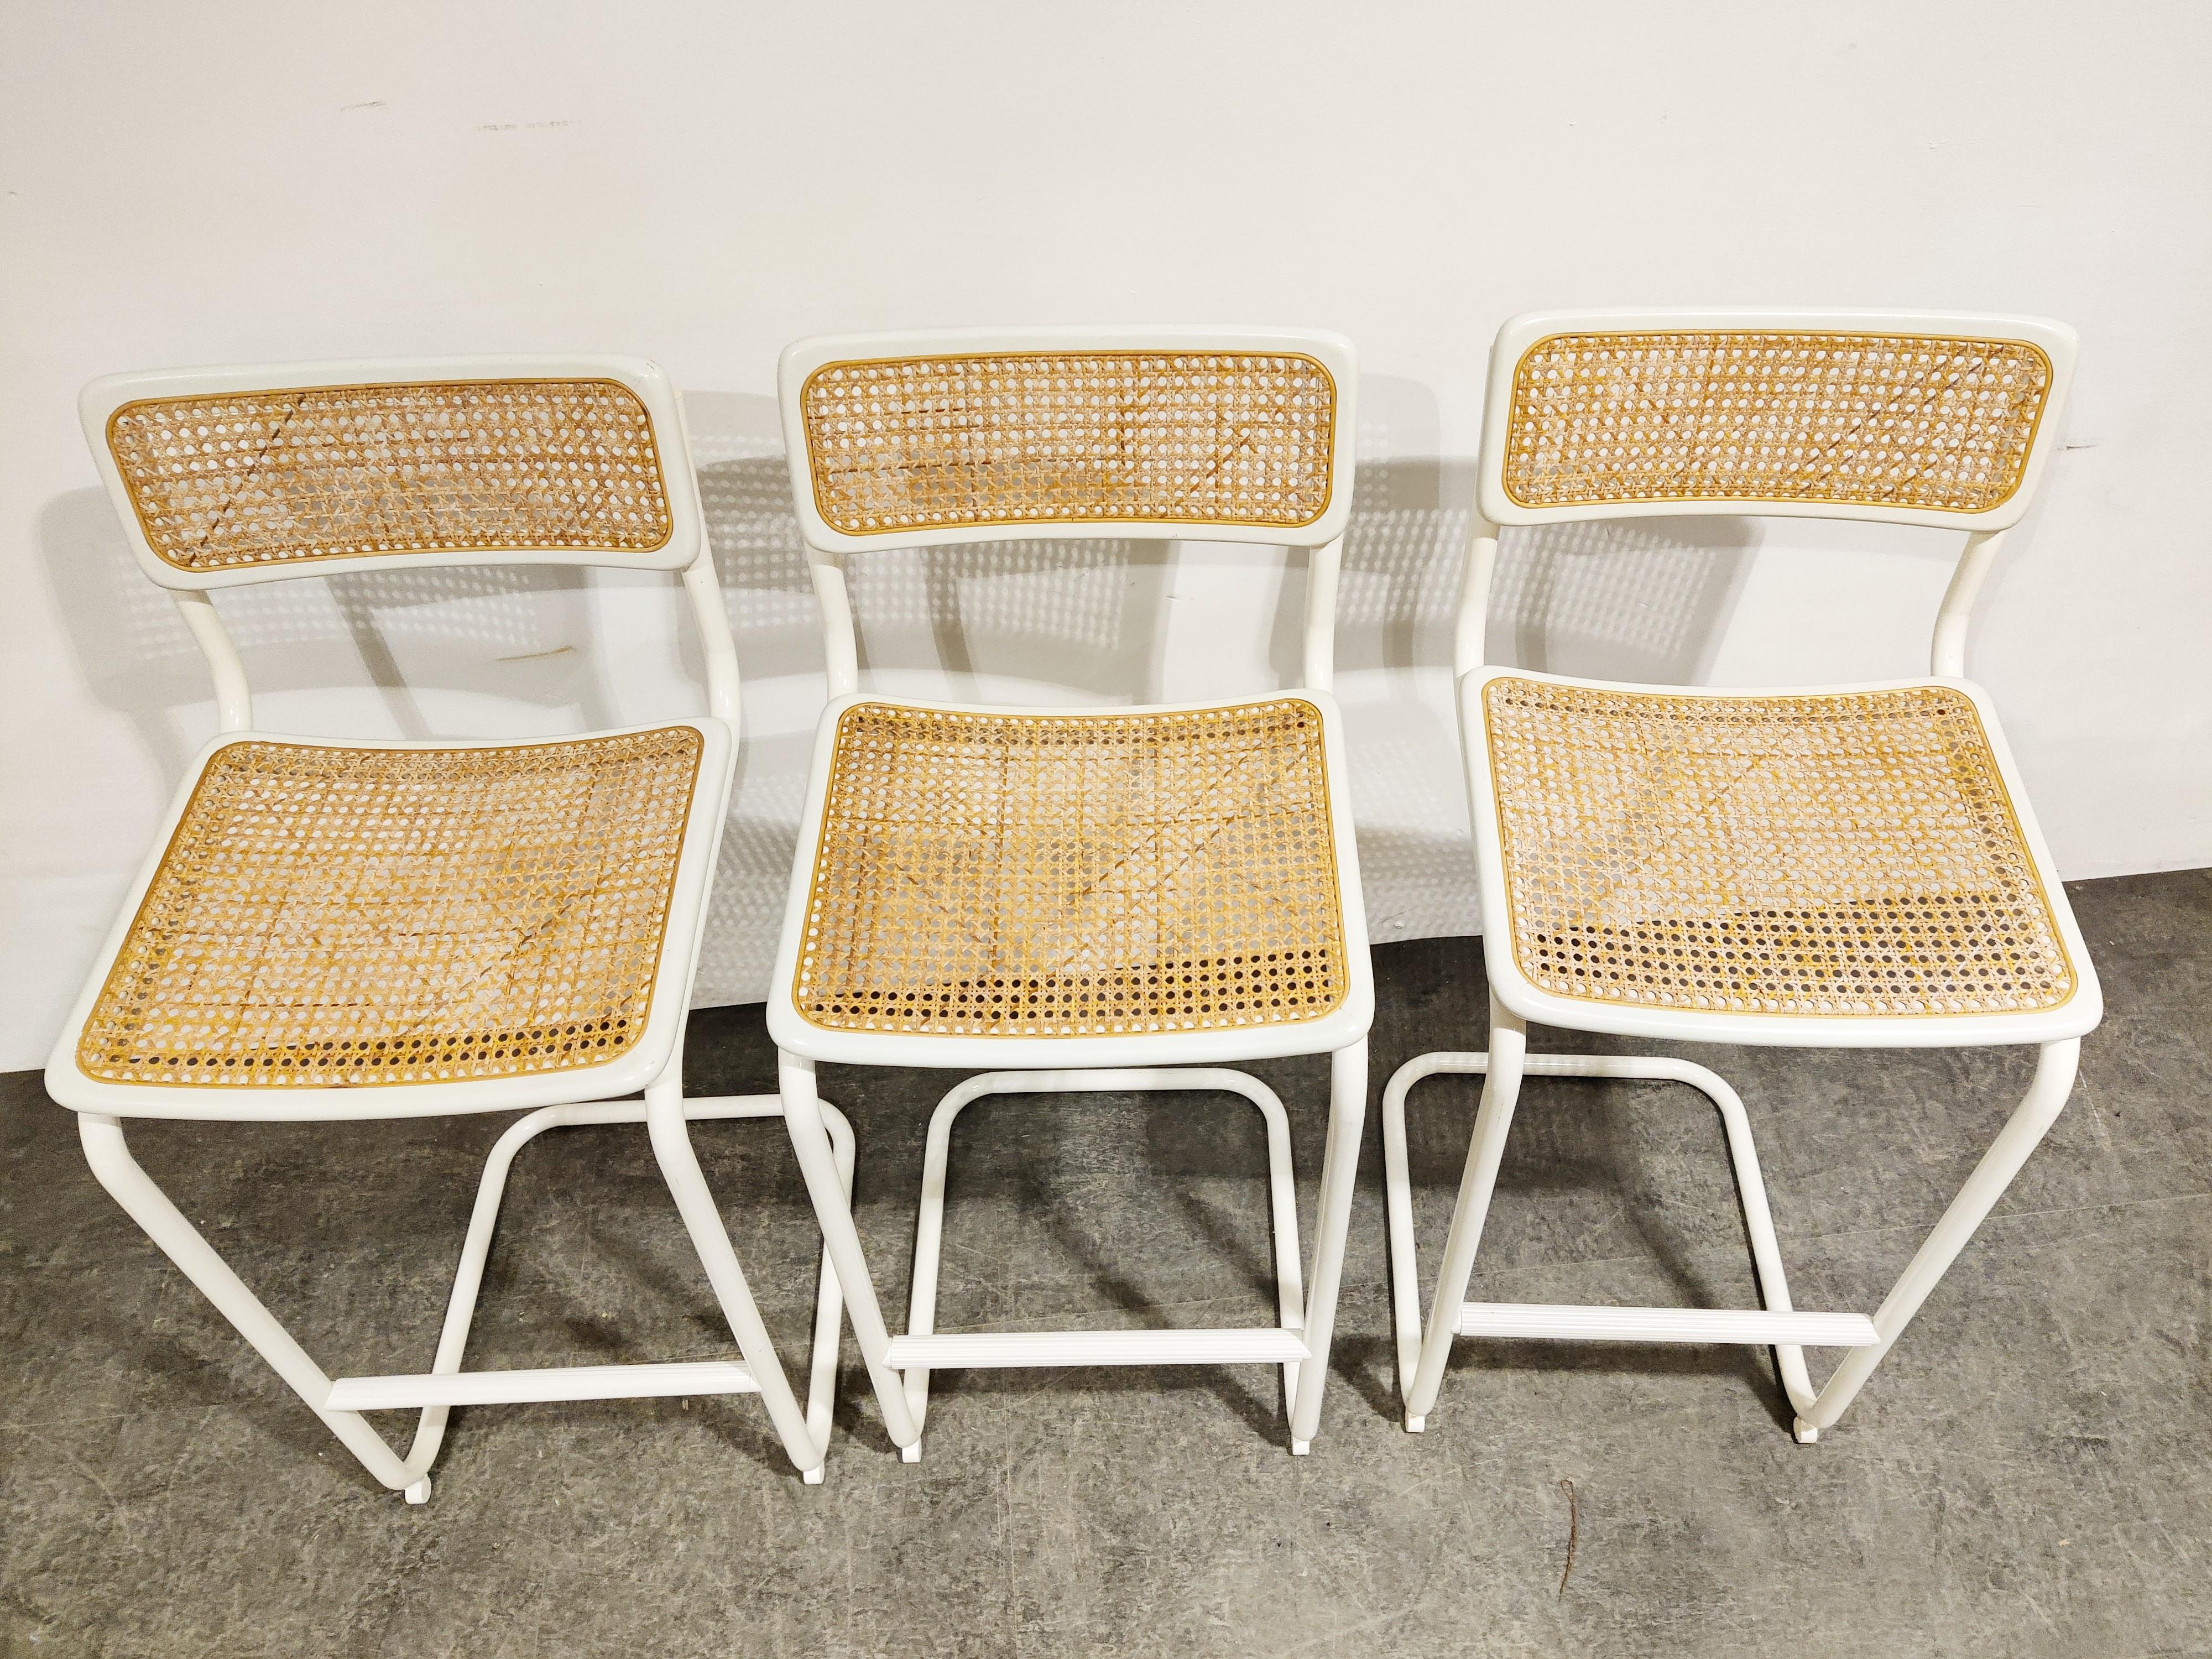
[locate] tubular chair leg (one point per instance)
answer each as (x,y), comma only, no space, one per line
(120,1174)
(1868,1341)
(1339,1169)
(146,1205)
(2023,1132)
(468,1279)
(1743,1156)
(829,1300)
(1398,1209)
(810,1139)
(679,1167)
(929,1224)
(1501,1091)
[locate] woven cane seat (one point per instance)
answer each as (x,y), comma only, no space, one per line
(1839,853)
(329,916)
(1038,875)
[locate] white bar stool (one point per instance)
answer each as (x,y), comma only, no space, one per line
(1825,866)
(1127,898)
(338,932)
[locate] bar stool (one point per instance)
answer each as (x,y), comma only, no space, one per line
(333,930)
(1826,866)
(1116,899)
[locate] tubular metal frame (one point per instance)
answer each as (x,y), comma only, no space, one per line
(1423,1348)
(556,1099)
(900,1367)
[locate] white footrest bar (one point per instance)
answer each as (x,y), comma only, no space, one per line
(388,1394)
(993,1350)
(1750,1326)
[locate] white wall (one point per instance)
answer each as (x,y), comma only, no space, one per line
(702,183)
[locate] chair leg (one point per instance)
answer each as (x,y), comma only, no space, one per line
(929,1222)
(830,1296)
(468,1277)
(1743,1155)
(810,1139)
(2023,1132)
(132,1188)
(1339,1169)
(149,1206)
(1501,1091)
(687,1183)
(1397,1207)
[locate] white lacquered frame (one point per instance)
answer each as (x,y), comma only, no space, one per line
(899,1367)
(584,1096)
(1423,1350)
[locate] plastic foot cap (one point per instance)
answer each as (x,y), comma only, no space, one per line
(1415,1424)
(910,1454)
(1805,1433)
(1300,1448)
(813,1477)
(419,1492)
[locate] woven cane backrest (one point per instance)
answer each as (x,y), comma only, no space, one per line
(1226,436)
(1863,417)
(230,476)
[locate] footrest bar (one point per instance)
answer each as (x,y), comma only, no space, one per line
(386,1393)
(1749,1326)
(991,1350)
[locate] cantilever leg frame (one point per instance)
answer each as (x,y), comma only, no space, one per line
(1423,1350)
(929,1232)
(341,1401)
(900,1367)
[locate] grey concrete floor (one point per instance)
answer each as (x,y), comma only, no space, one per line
(2026,1475)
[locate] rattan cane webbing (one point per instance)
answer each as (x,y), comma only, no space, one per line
(1846,853)
(1059,876)
(342,917)
(1883,420)
(266,477)
(1070,437)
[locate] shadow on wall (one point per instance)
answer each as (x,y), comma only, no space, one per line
(1644,600)
(403,653)
(1641,600)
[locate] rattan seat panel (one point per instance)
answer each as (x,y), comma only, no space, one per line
(1839,853)
(346,917)
(1903,421)
(1025,875)
(1070,437)
(232,480)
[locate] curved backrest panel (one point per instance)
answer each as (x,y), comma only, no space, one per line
(243,475)
(1923,419)
(1219,434)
